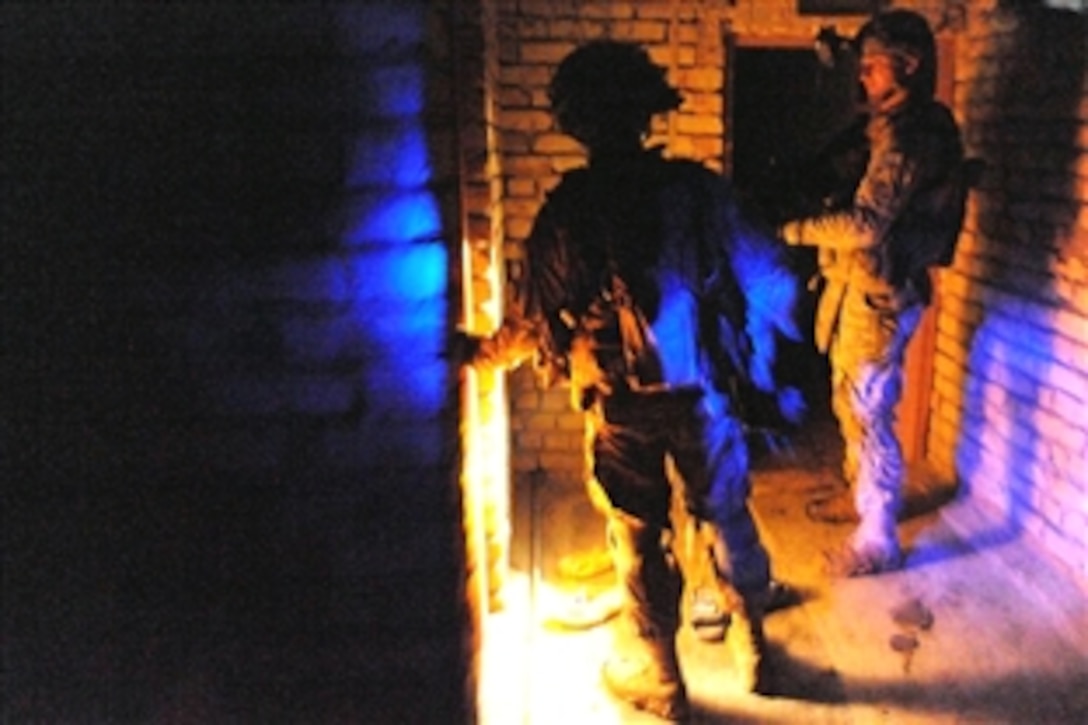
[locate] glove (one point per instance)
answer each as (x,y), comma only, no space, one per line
(790,233)
(463,348)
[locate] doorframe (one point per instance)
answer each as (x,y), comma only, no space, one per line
(913,413)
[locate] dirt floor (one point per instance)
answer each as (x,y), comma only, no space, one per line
(977,628)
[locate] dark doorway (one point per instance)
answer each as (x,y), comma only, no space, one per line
(784,106)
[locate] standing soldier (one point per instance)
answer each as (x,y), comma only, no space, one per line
(875,257)
(647,291)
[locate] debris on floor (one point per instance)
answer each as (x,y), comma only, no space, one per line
(912,616)
(582,610)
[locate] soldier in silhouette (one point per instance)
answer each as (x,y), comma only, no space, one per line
(657,302)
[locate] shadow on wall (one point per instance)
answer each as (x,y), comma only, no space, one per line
(1018,400)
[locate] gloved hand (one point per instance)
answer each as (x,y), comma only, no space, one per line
(462,348)
(790,233)
(585,371)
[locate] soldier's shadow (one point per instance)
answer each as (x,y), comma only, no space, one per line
(796,679)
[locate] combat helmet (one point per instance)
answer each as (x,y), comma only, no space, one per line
(605,88)
(904,34)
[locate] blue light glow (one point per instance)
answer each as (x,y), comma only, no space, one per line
(1002,454)
(769,287)
(394,217)
(402,274)
(395,157)
(402,392)
(675,332)
(392,224)
(383,25)
(416,327)
(396,91)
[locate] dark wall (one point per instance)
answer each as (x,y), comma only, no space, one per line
(228,467)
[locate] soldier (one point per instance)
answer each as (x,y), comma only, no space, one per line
(648,292)
(875,255)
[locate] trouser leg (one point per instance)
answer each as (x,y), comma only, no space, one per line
(881,470)
(712,459)
(850,428)
(648,576)
(713,462)
(837,504)
(597,494)
(643,669)
(870,364)
(628,465)
(880,464)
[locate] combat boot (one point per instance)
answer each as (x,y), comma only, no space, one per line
(643,670)
(744,636)
(645,674)
(748,646)
(738,621)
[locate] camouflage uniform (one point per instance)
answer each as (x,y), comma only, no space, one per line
(641,279)
(646,291)
(874,258)
(652,388)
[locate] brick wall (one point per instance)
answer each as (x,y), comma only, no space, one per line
(1010,398)
(229,436)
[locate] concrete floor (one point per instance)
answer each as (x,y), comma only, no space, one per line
(1008,642)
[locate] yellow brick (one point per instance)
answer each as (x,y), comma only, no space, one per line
(521,187)
(709,150)
(555,143)
(526,120)
(701,79)
(699,125)
(686,34)
(513,143)
(664,10)
(522,207)
(546,8)
(527,76)
(545,52)
(608,10)
(532,167)
(645,31)
(561,164)
(514,97)
(518,228)
(680,147)
(704,104)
